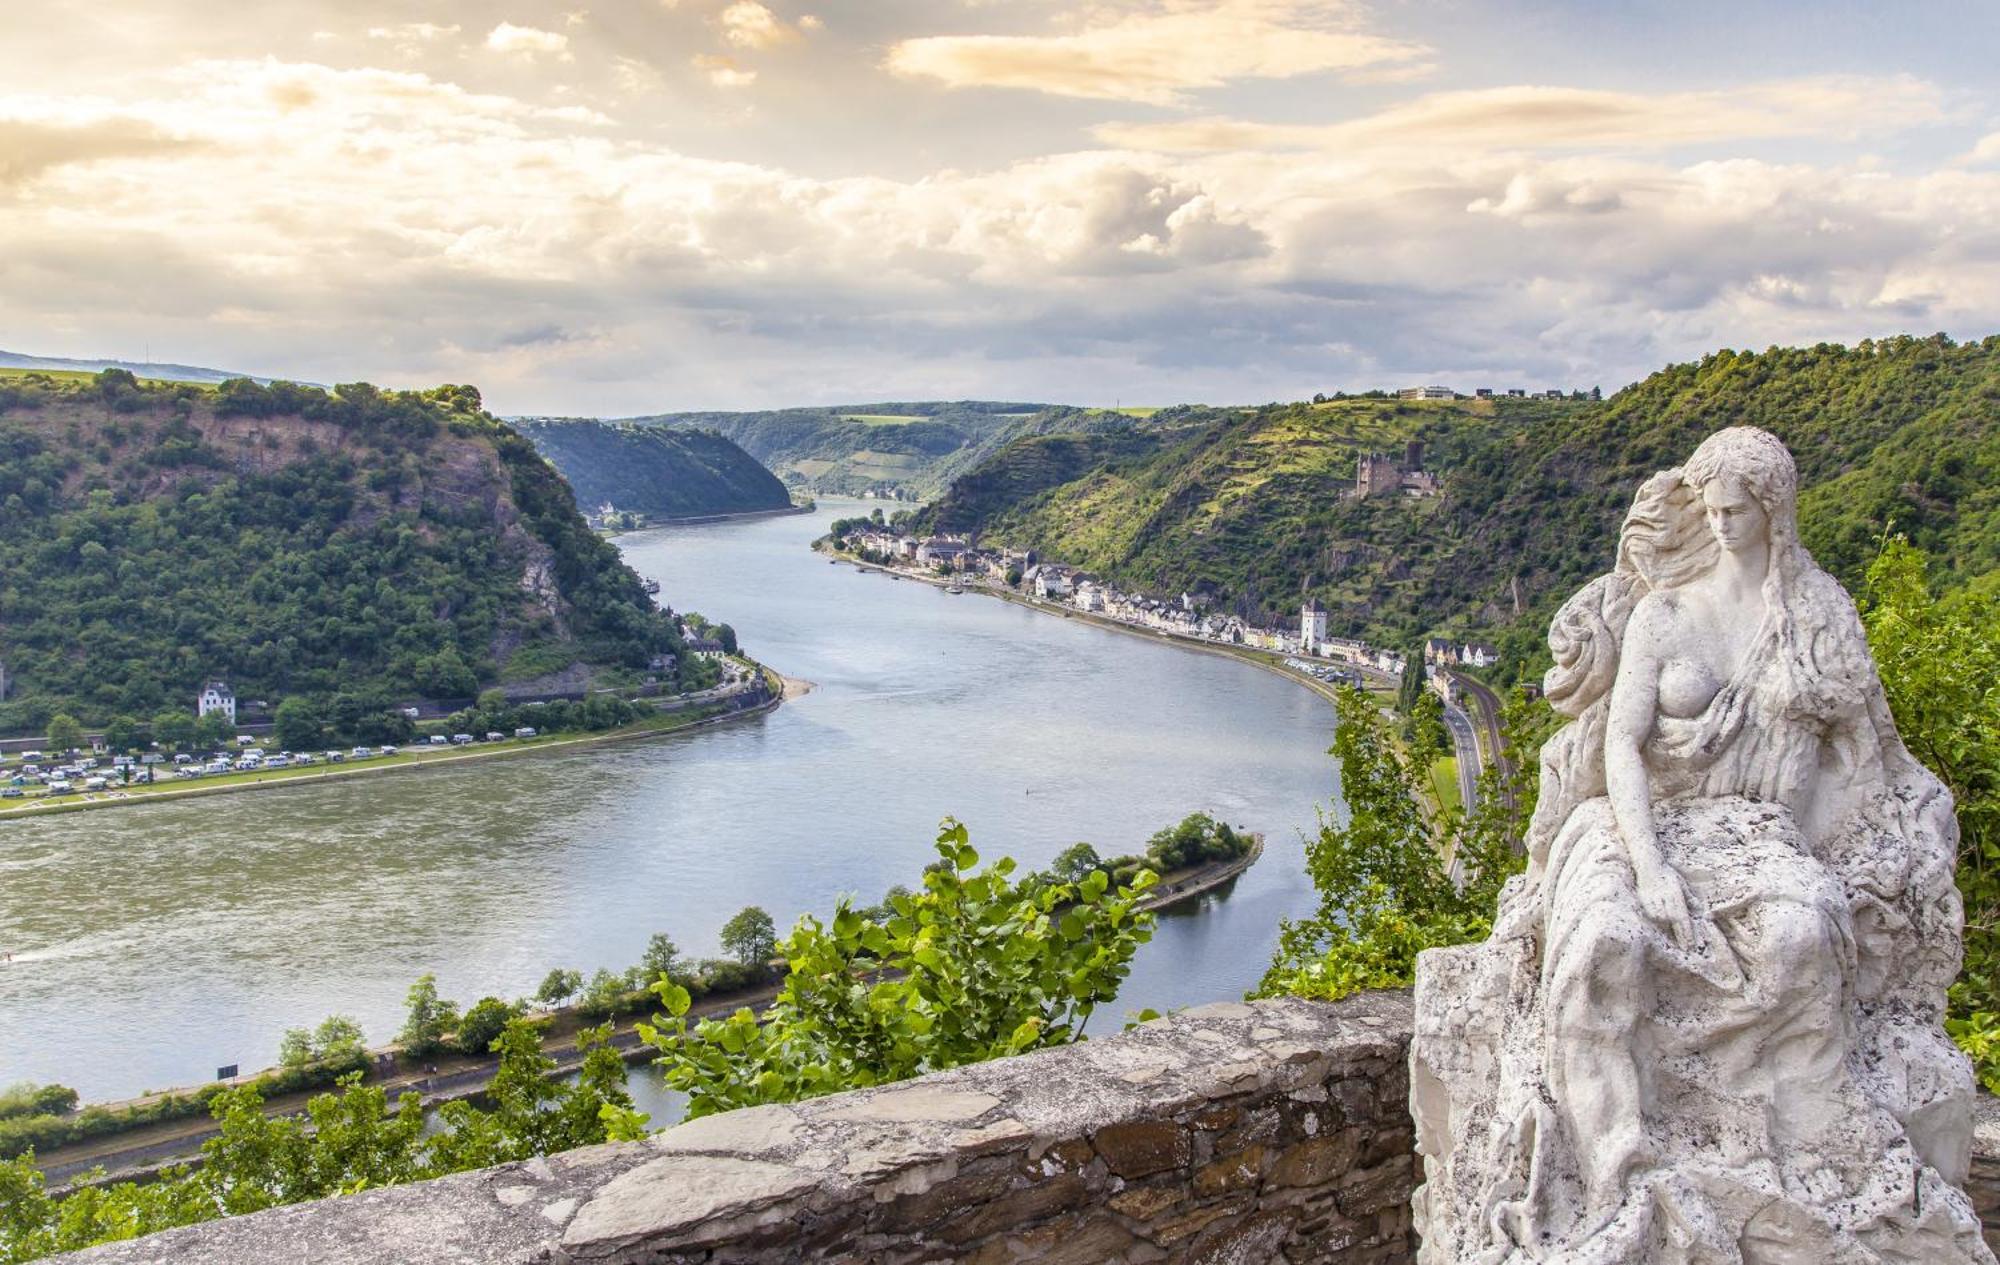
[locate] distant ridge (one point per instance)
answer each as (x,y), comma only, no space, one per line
(163,372)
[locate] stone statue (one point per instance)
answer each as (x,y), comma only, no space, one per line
(1707,1025)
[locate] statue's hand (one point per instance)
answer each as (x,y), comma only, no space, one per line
(1664,897)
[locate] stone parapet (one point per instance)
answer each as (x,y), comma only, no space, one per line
(1236,1133)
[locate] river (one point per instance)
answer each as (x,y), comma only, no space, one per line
(154,943)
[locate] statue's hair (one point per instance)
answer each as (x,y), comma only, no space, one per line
(1757,458)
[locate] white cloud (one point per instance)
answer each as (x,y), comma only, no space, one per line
(1529,116)
(723,72)
(747,24)
(1160,53)
(527,41)
(413,32)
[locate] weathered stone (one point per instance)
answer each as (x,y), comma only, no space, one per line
(1141,1148)
(1143,1203)
(937,1104)
(1022,1204)
(1192,1221)
(671,1199)
(1238,1170)
(756,1132)
(1316,1161)
(1253,1240)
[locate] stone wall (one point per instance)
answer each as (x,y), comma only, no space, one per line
(1273,1132)
(1239,1134)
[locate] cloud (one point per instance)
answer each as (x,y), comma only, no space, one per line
(313,220)
(1529,116)
(413,32)
(1986,151)
(748,24)
(30,147)
(1159,54)
(723,71)
(527,41)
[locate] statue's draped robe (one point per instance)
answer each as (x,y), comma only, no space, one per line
(1777,1091)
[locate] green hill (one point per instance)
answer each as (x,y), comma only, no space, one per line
(391,544)
(1248,507)
(660,473)
(903,450)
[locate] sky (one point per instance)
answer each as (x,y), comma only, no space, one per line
(609,208)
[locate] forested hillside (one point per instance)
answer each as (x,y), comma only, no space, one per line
(658,472)
(1249,507)
(907,450)
(394,545)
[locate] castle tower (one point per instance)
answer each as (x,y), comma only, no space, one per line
(1312,625)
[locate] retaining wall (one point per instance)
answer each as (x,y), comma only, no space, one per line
(1230,1135)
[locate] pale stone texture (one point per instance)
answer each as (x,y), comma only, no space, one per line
(1706,1027)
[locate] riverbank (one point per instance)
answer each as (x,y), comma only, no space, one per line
(697,520)
(691,718)
(144,1151)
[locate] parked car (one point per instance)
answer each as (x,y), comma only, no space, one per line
(438,740)
(494,735)
(11,792)
(361,753)
(60,787)
(95,783)
(460,740)
(525,731)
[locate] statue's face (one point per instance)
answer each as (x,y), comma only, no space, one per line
(1736,518)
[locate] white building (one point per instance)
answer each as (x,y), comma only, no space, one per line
(1312,626)
(215,697)
(1426,393)
(1089,597)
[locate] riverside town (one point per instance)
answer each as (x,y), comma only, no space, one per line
(1154,632)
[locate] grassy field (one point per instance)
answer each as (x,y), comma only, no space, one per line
(1132,410)
(1444,781)
(85,375)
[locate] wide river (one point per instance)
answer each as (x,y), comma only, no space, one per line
(153,943)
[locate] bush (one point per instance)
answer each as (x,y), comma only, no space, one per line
(481,1025)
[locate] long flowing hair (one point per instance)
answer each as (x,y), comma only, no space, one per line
(1665,543)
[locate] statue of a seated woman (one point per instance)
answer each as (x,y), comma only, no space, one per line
(1707,1026)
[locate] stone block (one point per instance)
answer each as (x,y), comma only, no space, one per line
(1141,1148)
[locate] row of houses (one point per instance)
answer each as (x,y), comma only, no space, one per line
(1488,393)
(1184,617)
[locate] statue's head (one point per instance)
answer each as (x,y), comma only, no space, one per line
(1748,486)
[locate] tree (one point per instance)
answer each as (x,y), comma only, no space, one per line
(971,968)
(299,726)
(1386,890)
(558,985)
(1411,687)
(750,937)
(430,1018)
(605,995)
(123,734)
(64,733)
(215,730)
(1196,839)
(1074,863)
(1429,736)
(482,1025)
(174,729)
(337,1040)
(1939,660)
(659,959)
(727,636)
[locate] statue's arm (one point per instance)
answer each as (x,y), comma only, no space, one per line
(1634,707)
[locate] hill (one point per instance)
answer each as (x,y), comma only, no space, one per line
(148,371)
(1249,507)
(901,450)
(395,545)
(658,472)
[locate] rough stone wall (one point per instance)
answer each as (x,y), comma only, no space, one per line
(1275,1132)
(1271,1132)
